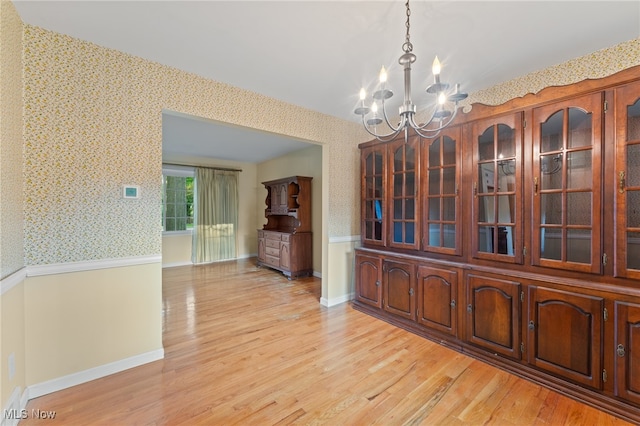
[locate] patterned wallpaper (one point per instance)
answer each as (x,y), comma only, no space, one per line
(11,221)
(93,123)
(598,64)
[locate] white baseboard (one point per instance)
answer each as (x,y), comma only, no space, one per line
(54,385)
(174,264)
(317,274)
(337,300)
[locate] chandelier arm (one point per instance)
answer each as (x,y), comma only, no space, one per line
(437,129)
(425,133)
(428,135)
(415,125)
(403,120)
(383,138)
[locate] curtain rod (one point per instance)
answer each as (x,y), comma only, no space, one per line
(203,167)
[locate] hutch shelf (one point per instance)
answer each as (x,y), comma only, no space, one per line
(514,237)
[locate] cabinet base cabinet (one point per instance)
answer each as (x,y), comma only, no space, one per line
(493,320)
(399,288)
(287,253)
(369,280)
(627,351)
(565,334)
(550,333)
(437,299)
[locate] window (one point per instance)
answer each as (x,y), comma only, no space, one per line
(177,199)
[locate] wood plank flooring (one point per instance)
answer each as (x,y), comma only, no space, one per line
(245,346)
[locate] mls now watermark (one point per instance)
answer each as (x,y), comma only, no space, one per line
(14,414)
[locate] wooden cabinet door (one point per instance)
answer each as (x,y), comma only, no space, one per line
(493,308)
(627,181)
(369,280)
(567,184)
(285,256)
(441,204)
(437,291)
(627,348)
(403,178)
(565,334)
(279,198)
(284,198)
(399,285)
(497,189)
(373,161)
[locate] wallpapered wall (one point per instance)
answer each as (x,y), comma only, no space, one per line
(598,64)
(93,123)
(11,223)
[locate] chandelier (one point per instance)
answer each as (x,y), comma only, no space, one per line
(441,114)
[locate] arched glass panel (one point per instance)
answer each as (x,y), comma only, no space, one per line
(551,133)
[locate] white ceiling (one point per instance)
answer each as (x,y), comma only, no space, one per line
(184,135)
(317,54)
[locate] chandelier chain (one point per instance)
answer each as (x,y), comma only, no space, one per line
(407,46)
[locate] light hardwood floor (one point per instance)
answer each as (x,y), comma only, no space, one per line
(245,346)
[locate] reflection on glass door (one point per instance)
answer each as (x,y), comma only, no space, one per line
(441,201)
(403,175)
(373,198)
(566,192)
(496,187)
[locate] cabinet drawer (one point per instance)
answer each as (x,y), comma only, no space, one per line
(272,243)
(273,261)
(272,251)
(272,236)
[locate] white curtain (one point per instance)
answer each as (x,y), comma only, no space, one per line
(215,215)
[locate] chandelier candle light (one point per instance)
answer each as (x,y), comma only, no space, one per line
(441,117)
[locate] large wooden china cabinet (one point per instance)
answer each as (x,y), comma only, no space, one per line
(284,242)
(514,236)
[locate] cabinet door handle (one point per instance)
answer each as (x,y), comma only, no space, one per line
(535,185)
(469,308)
(475,189)
(410,292)
(377,283)
(620,351)
(532,326)
(453,303)
(622,182)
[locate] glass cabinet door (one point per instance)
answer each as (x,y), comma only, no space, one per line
(441,202)
(627,181)
(567,175)
(373,160)
(497,189)
(403,210)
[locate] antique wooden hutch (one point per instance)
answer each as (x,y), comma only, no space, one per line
(284,242)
